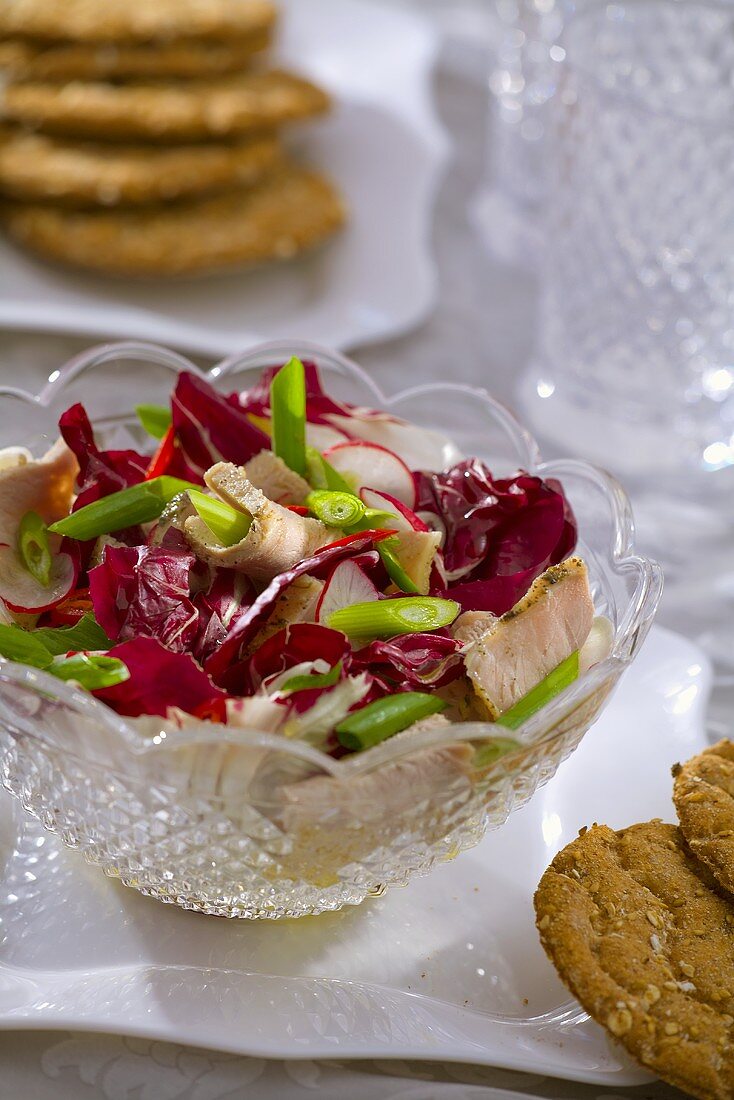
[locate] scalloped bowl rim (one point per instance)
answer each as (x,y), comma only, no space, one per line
(626,641)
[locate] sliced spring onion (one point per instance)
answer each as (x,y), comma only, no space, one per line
(33,547)
(85,634)
(335,509)
(313,680)
(374,519)
(386,618)
(288,410)
(542,693)
(387,551)
(322,475)
(138,504)
(491,751)
(225,522)
(156,419)
(91,670)
(379,720)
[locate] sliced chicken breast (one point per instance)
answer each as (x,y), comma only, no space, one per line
(471,625)
(519,649)
(277,539)
(296,604)
(269,473)
(45,486)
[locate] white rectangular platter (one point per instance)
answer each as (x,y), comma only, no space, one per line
(448,968)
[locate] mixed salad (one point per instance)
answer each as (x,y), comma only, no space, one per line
(283,561)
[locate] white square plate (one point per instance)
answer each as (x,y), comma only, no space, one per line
(449,968)
(386,151)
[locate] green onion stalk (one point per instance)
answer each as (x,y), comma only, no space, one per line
(33,547)
(156,419)
(138,504)
(288,412)
(364,728)
(227,524)
(554,683)
(388,618)
(335,509)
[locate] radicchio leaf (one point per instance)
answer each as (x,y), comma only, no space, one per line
(294,645)
(317,565)
(499,534)
(210,428)
(412,661)
(144,591)
(346,418)
(160,679)
(100,472)
(220,608)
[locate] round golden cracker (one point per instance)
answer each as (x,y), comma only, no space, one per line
(186,111)
(643,937)
(287,213)
(703,793)
(24,59)
(109,20)
(35,166)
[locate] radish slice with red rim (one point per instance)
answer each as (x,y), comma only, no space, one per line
(405,518)
(24,594)
(368,464)
(347,584)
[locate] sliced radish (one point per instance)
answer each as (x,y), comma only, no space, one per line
(365,464)
(24,594)
(419,448)
(346,585)
(322,436)
(415,545)
(405,519)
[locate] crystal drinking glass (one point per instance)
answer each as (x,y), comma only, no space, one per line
(635,360)
(522,82)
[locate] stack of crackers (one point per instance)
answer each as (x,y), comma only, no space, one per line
(143,137)
(640,926)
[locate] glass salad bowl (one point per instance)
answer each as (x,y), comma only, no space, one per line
(240,823)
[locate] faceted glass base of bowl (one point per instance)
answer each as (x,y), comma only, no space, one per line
(220,857)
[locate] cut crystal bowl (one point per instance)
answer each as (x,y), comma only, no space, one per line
(239,823)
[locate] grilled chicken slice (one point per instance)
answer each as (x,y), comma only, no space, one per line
(519,649)
(296,604)
(269,473)
(416,551)
(45,486)
(277,539)
(471,625)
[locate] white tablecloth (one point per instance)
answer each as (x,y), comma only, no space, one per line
(481,332)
